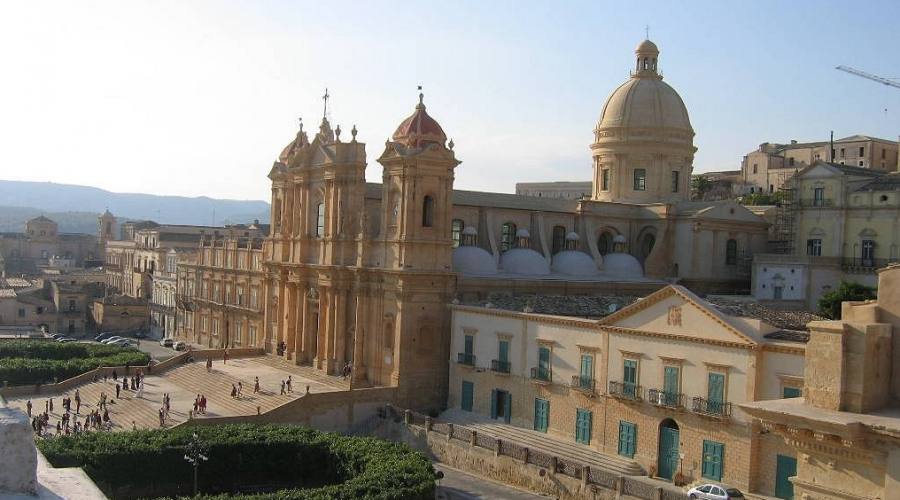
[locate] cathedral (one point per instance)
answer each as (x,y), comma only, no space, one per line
(361,274)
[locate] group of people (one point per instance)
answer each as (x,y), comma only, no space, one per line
(199,405)
(286,384)
(68,423)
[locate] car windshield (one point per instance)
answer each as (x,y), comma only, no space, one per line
(733,493)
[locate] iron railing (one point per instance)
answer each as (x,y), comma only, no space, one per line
(584,384)
(667,399)
(542,374)
(500,366)
(626,390)
(864,264)
(465,358)
(711,407)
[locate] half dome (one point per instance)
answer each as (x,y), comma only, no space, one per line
(574,263)
(472,260)
(524,261)
(622,265)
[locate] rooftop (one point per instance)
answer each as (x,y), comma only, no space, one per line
(793,321)
(556,305)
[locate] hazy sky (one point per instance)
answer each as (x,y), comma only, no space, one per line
(198,98)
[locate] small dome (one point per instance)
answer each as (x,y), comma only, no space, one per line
(646,47)
(473,260)
(622,265)
(470,231)
(572,236)
(523,233)
(419,129)
(619,238)
(574,263)
(524,261)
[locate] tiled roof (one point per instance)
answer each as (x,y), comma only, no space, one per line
(789,336)
(749,308)
(887,182)
(557,305)
(7,293)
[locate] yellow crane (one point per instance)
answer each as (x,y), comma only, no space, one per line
(875,78)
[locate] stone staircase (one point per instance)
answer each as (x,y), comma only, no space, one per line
(216,386)
(546,443)
(304,371)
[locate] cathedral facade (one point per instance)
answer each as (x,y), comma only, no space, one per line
(360,275)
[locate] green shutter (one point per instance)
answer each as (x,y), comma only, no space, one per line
(508,415)
(630,375)
(544,358)
(468,395)
(785,468)
(670,385)
(470,341)
(493,403)
(587,368)
(715,392)
(503,351)
(627,438)
(583,422)
(791,392)
(541,414)
(713,458)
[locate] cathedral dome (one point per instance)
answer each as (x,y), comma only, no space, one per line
(645,103)
(574,263)
(419,129)
(473,260)
(524,261)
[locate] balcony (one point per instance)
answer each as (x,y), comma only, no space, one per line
(541,374)
(586,385)
(718,409)
(665,399)
(500,366)
(861,265)
(626,390)
(465,358)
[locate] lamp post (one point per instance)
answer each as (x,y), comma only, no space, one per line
(194,453)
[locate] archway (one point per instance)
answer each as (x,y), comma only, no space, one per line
(668,452)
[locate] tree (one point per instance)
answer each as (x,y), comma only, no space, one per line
(700,185)
(830,303)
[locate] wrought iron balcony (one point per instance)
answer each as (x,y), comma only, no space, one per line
(626,390)
(541,374)
(668,399)
(712,408)
(500,366)
(584,384)
(465,358)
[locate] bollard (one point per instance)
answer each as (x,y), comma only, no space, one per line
(585,473)
(407,417)
(499,444)
(449,432)
(554,463)
(525,455)
(472,440)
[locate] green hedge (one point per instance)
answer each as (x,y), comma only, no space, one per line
(24,362)
(299,462)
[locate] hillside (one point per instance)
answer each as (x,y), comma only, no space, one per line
(76,208)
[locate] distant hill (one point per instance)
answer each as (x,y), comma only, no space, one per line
(75,208)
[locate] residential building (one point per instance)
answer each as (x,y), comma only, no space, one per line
(120,313)
(844,434)
(41,241)
(658,381)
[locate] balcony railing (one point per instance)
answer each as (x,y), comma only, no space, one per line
(541,374)
(667,399)
(465,358)
(861,264)
(626,390)
(500,366)
(713,408)
(584,384)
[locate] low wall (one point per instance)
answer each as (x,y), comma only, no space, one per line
(338,411)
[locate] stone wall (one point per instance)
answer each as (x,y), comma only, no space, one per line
(18,465)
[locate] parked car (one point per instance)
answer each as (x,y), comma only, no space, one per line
(103,336)
(714,492)
(65,339)
(110,340)
(55,336)
(179,346)
(167,342)
(121,342)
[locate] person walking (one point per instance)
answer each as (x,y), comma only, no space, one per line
(118,390)
(115,376)
(203,403)
(240,389)
(133,425)
(255,386)
(225,357)
(289,381)
(208,365)
(28,406)
(51,405)
(282,388)
(233,391)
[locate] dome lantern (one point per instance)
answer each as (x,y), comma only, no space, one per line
(647,55)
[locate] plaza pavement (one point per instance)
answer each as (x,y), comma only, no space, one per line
(183,383)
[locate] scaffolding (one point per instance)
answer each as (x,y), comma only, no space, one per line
(781,239)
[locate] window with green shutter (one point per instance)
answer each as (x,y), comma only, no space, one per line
(587,371)
(627,438)
(629,377)
(503,351)
(671,385)
(468,395)
(543,363)
(713,460)
(541,414)
(583,422)
(791,392)
(716,392)
(469,345)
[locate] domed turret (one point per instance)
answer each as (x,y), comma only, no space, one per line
(523,260)
(573,262)
(470,259)
(643,144)
(419,129)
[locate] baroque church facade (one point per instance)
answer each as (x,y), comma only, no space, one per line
(362,274)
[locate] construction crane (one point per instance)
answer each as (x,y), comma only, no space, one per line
(884,81)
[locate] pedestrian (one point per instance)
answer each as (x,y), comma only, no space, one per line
(240,388)
(47,405)
(255,387)
(51,405)
(282,387)
(133,425)
(77,405)
(28,405)
(58,428)
(203,403)
(115,376)
(162,421)
(307,390)
(106,415)
(196,403)
(225,357)
(233,391)
(289,381)
(208,365)
(118,390)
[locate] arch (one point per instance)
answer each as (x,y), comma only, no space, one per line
(731,250)
(605,242)
(645,242)
(668,452)
(428,211)
(559,239)
(507,236)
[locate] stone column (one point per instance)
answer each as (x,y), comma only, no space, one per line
(340,331)
(357,375)
(305,327)
(299,322)
(290,321)
(322,330)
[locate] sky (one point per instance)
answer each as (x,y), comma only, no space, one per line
(197,98)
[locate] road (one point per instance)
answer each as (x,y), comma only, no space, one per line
(459,485)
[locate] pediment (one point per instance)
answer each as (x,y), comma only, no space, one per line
(676,311)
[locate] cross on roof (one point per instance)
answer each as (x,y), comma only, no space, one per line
(325,98)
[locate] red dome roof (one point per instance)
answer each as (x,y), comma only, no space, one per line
(419,129)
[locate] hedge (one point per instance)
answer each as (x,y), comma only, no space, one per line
(299,462)
(25,362)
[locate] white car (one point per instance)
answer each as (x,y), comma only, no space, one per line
(121,343)
(714,492)
(167,342)
(111,340)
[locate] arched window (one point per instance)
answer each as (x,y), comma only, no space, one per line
(456,228)
(428,212)
(604,243)
(647,244)
(507,236)
(320,220)
(559,238)
(731,252)
(640,179)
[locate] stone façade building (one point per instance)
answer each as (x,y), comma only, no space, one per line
(26,252)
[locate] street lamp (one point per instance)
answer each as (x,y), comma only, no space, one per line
(194,453)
